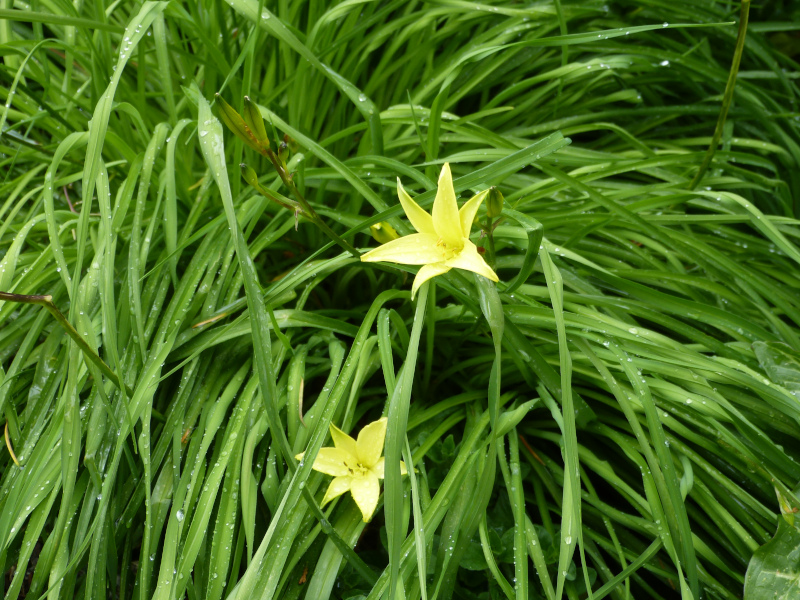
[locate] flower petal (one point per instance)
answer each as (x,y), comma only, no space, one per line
(338,486)
(470,260)
(414,249)
(419,218)
(332,461)
(366,491)
(379,469)
(445,211)
(467,212)
(343,441)
(370,442)
(427,272)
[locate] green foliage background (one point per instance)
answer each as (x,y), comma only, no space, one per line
(618,414)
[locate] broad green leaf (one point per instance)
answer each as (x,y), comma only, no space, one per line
(781,363)
(774,569)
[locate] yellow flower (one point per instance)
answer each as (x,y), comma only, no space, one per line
(383,232)
(443,239)
(356,465)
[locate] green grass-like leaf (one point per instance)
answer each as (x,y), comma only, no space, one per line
(617,417)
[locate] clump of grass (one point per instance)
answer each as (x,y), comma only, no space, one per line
(616,415)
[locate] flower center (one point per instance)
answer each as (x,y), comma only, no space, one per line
(448,252)
(357,469)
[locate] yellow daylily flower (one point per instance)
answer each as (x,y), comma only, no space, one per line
(356,465)
(442,241)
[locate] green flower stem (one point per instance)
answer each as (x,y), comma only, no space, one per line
(308,211)
(490,251)
(416,507)
(91,355)
(492,309)
(430,335)
(727,99)
(395,438)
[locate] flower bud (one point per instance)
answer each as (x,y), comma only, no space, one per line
(494,203)
(383,232)
(255,122)
(283,152)
(239,127)
(249,175)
